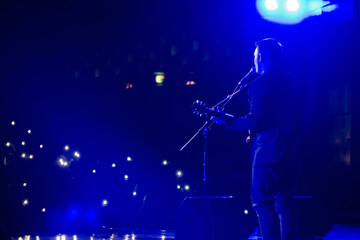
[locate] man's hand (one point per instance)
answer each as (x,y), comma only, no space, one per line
(221,120)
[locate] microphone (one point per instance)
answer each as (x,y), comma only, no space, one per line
(244,80)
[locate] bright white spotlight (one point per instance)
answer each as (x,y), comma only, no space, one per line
(23,155)
(31,156)
(178,186)
(66,148)
(134,193)
(126,177)
(76,154)
(94,171)
(24,184)
(165,163)
(271,5)
(66,164)
(43,210)
(74,237)
(163,237)
(63,237)
(23,143)
(29,131)
(179,173)
(187,187)
(41,146)
(113,165)
(129,159)
(246,212)
(104,203)
(13,123)
(292,5)
(25,202)
(8,144)
(133,236)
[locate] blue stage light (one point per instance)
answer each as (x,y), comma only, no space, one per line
(289,11)
(271,5)
(292,5)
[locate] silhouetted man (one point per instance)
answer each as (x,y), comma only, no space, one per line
(273,142)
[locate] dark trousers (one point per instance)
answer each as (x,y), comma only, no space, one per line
(272,191)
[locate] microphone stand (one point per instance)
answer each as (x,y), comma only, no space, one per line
(205,128)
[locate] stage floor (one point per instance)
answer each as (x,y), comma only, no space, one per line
(339,232)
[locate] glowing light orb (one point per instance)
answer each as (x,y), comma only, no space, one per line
(104,203)
(94,171)
(129,85)
(163,237)
(159,78)
(8,144)
(43,210)
(31,156)
(187,187)
(126,177)
(23,143)
(76,154)
(13,123)
(41,146)
(165,162)
(292,5)
(246,212)
(113,165)
(66,148)
(179,173)
(178,186)
(24,184)
(134,193)
(129,159)
(25,202)
(271,5)
(23,155)
(74,237)
(29,131)
(190,83)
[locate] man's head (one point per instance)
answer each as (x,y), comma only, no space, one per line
(267,54)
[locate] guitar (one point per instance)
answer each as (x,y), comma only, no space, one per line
(200,109)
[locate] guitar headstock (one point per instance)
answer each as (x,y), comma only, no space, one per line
(199,108)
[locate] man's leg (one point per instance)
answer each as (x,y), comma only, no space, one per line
(263,187)
(285,206)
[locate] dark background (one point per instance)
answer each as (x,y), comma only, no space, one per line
(64,68)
